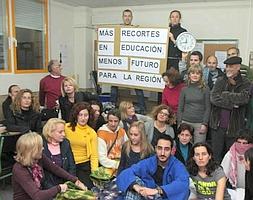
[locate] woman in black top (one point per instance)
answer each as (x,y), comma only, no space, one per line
(248,156)
(70,96)
(174,54)
(24,114)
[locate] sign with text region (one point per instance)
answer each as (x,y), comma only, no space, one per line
(145,65)
(150,35)
(106,34)
(112,62)
(143,50)
(153,81)
(106,48)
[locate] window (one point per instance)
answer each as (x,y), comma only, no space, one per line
(3,37)
(27,37)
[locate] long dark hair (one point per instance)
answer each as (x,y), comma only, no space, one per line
(193,168)
(75,111)
(248,156)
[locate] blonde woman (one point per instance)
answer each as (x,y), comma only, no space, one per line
(128,115)
(24,114)
(136,148)
(162,120)
(57,148)
(28,171)
(194,104)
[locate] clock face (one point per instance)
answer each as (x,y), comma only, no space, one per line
(185,42)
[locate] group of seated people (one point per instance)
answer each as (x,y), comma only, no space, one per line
(163,155)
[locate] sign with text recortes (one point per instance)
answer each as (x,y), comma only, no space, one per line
(133,57)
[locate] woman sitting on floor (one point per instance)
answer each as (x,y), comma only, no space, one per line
(163,118)
(128,115)
(136,148)
(28,171)
(208,177)
(57,148)
(83,141)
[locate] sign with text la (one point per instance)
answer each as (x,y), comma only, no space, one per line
(133,57)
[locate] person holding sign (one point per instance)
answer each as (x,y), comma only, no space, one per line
(174,54)
(127,17)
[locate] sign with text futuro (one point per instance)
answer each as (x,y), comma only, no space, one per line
(133,57)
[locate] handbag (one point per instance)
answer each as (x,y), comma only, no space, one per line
(47,114)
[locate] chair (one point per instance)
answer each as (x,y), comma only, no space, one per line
(6,171)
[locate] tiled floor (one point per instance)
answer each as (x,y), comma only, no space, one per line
(5,190)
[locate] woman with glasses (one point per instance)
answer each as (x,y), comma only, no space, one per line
(162,119)
(207,175)
(233,161)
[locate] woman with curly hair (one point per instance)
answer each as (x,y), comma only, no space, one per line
(162,120)
(194,104)
(83,141)
(207,175)
(24,114)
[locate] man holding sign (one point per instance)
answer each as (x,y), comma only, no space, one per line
(127,17)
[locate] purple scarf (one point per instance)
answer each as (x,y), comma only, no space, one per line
(37,174)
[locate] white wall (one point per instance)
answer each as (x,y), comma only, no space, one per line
(61,32)
(217,20)
(71,32)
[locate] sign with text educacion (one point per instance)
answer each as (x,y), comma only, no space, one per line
(133,57)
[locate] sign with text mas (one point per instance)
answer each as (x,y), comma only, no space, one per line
(133,57)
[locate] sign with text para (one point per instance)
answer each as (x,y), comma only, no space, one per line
(133,57)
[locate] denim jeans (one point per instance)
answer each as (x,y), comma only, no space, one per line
(139,94)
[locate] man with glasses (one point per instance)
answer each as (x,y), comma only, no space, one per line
(50,87)
(161,176)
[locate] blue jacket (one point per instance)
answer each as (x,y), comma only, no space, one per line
(175,177)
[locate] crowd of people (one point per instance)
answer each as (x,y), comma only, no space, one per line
(196,145)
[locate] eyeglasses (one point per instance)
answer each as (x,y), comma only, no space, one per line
(164,114)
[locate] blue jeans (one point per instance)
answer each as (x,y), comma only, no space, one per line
(139,94)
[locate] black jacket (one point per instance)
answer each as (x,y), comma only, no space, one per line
(66,105)
(23,122)
(6,107)
(178,153)
(230,97)
(68,164)
(174,54)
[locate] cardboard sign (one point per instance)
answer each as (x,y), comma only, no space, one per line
(133,57)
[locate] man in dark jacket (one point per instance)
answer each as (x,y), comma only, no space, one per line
(229,99)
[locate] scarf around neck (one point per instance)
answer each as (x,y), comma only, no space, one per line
(36,171)
(237,151)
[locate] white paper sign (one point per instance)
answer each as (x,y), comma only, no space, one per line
(112,62)
(106,34)
(221,57)
(145,65)
(106,48)
(143,50)
(144,35)
(131,78)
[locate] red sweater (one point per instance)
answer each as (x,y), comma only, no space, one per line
(24,187)
(171,96)
(50,90)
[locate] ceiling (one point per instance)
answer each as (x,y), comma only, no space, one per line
(116,3)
